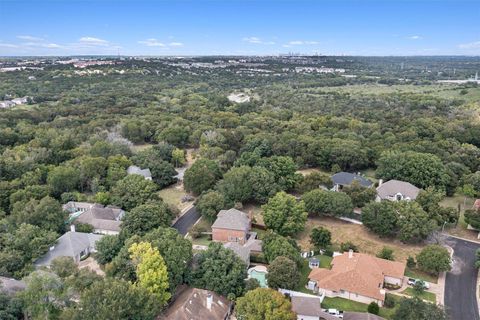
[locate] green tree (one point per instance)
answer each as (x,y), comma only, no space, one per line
(359,194)
(373,308)
(275,245)
(10,307)
(132,191)
(201,176)
(107,248)
(386,253)
(283,273)
(264,304)
(429,169)
(416,309)
(151,270)
(434,259)
(381,218)
(220,270)
(236,186)
(63,179)
(284,170)
(146,217)
(413,223)
(178,157)
(209,204)
(63,267)
(284,214)
(44,296)
(328,203)
(320,237)
(46,213)
(114,299)
(313,181)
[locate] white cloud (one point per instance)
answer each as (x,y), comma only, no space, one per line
(415,37)
(41,45)
(8,45)
(470,45)
(257,40)
(152,42)
(92,41)
(300,43)
(175,44)
(29,38)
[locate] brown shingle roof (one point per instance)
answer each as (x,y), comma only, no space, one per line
(102,218)
(191,304)
(360,273)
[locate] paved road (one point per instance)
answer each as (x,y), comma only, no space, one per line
(187,221)
(461,282)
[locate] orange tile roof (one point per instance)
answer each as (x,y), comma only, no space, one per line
(362,274)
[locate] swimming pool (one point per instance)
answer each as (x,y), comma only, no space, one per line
(259,273)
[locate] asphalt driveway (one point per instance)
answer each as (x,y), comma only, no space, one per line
(461,282)
(186,221)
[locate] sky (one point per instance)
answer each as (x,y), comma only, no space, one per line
(228,27)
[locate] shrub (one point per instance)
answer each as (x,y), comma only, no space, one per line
(347,246)
(373,308)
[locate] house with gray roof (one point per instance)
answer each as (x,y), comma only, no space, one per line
(104,220)
(308,308)
(396,190)
(142,172)
(243,252)
(342,179)
(11,286)
(360,316)
(76,245)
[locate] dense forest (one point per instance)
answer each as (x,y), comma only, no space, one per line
(81,130)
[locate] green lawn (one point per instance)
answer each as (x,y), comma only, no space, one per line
(324,261)
(429,296)
(350,305)
(417,274)
(304,272)
(203,240)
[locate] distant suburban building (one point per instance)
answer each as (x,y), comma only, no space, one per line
(231,226)
(142,172)
(357,276)
(6,104)
(104,220)
(76,245)
(238,97)
(198,304)
(396,190)
(342,179)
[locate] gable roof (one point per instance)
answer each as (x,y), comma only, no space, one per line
(346,178)
(70,244)
(137,170)
(107,218)
(360,316)
(232,219)
(392,187)
(309,306)
(359,273)
(243,252)
(191,304)
(10,285)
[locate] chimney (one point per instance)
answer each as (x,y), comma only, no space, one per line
(350,253)
(72,227)
(380,182)
(209,301)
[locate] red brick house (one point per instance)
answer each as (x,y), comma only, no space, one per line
(231,226)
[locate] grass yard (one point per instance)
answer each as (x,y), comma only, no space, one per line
(417,274)
(461,229)
(350,305)
(172,195)
(366,241)
(325,261)
(428,296)
(304,272)
(256,210)
(307,171)
(203,240)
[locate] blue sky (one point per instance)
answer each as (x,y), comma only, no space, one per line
(200,27)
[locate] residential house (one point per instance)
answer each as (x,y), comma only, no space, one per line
(11,286)
(308,308)
(6,104)
(396,190)
(198,304)
(342,179)
(142,172)
(19,101)
(76,245)
(243,252)
(360,316)
(357,276)
(104,220)
(231,226)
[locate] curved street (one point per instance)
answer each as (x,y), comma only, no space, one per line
(461,281)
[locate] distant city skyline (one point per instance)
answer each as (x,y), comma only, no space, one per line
(370,28)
